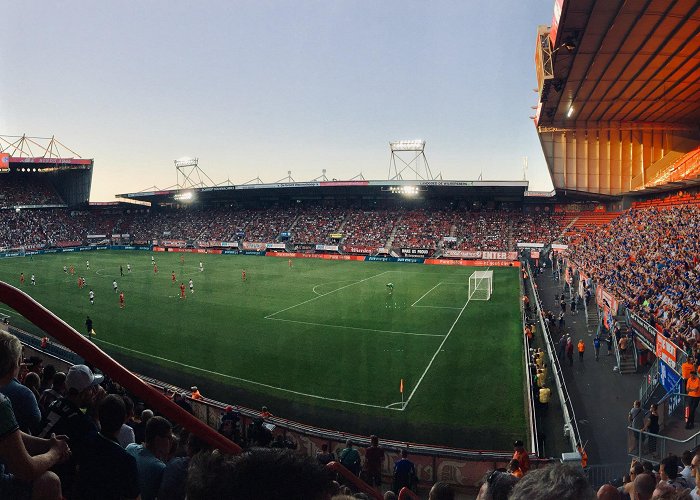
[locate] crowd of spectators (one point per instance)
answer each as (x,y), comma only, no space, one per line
(423,228)
(649,259)
(314,225)
(27,191)
(299,226)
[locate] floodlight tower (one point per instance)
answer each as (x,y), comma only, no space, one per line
(411,155)
(189,175)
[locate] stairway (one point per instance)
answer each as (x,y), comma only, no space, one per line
(592,319)
(627,362)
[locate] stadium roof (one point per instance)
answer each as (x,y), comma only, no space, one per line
(619,95)
(496,190)
(619,61)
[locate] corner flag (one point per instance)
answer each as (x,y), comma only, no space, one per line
(401,387)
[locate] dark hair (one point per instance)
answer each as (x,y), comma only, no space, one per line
(112,414)
(559,481)
(670,464)
(195,444)
(157,427)
(129,405)
(687,457)
(500,484)
(258,474)
(48,373)
(59,380)
(442,491)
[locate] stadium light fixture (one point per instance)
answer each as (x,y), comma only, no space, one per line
(405,190)
(187,196)
(570,112)
(186,162)
(414,145)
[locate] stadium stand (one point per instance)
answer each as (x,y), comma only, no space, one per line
(27,191)
(650,258)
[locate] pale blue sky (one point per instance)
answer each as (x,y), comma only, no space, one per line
(256,88)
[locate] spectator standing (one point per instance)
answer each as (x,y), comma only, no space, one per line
(652,426)
(521,455)
(350,458)
(173,486)
(692,388)
(106,471)
(404,474)
(323,456)
(636,421)
(596,347)
(152,455)
(570,350)
(126,436)
(581,349)
(374,456)
(140,426)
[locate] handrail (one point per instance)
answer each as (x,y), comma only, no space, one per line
(567,407)
(532,419)
(354,480)
(406,494)
(68,336)
(616,348)
(651,382)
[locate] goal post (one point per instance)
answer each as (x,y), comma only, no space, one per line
(481,285)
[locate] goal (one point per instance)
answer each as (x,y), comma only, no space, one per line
(481,285)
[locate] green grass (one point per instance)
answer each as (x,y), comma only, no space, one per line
(323,342)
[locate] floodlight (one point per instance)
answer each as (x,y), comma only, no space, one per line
(570,112)
(187,196)
(414,145)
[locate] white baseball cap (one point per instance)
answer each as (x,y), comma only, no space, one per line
(80,377)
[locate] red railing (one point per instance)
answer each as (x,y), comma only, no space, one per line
(65,334)
(355,481)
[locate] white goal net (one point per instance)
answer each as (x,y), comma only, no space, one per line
(481,285)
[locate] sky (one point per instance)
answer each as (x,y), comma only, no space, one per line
(255,89)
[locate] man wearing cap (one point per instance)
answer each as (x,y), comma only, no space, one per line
(65,417)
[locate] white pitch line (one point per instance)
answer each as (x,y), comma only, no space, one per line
(437,352)
(356,328)
(439,307)
(247,381)
(269,316)
(426,293)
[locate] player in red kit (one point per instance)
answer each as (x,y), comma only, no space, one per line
(173,277)
(182,290)
(21,278)
(243,275)
(121,300)
(155,269)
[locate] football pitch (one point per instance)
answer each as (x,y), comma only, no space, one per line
(323,342)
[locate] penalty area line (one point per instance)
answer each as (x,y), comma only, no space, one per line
(247,381)
(425,372)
